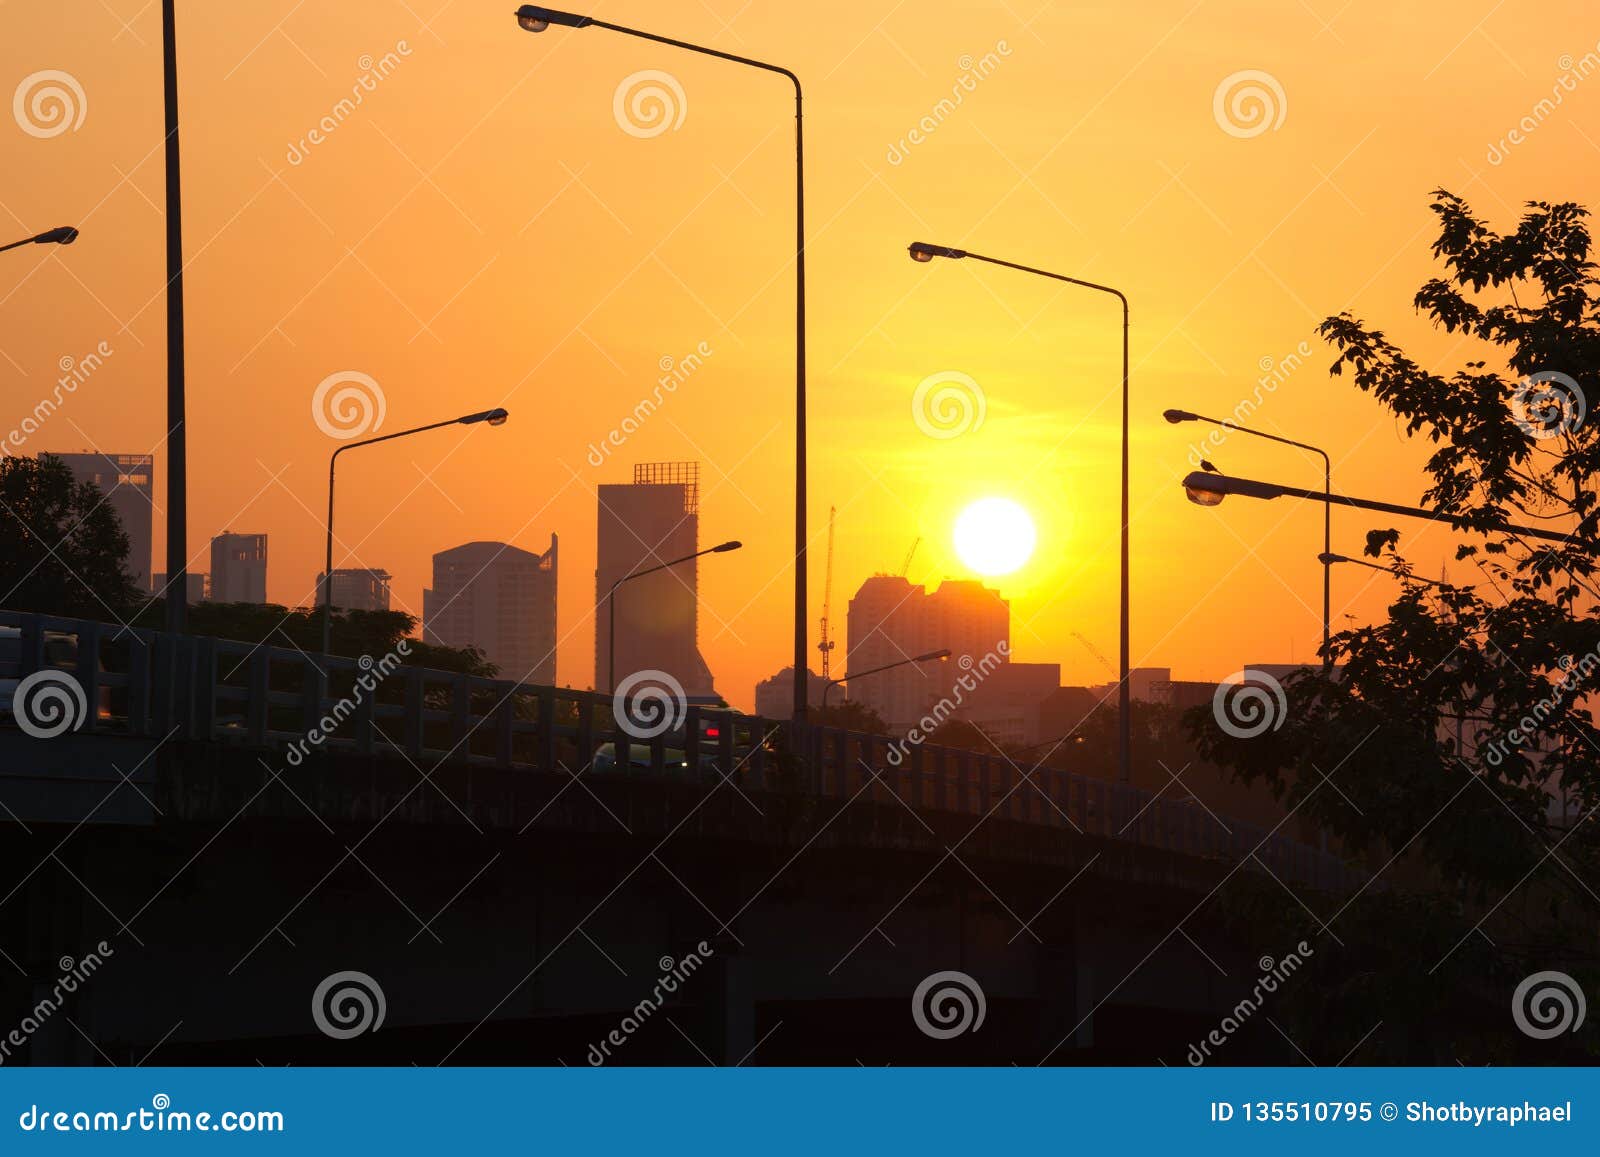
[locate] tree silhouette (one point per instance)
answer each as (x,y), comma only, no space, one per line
(61,544)
(1458,734)
(851,714)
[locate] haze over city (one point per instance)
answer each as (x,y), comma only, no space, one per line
(480,231)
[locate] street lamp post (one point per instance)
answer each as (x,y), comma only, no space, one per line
(611,601)
(537,19)
(1210,489)
(495,417)
(177,595)
(61,235)
(922,251)
(1176,416)
(849,675)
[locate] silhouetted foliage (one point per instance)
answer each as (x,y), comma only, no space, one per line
(355,633)
(1161,747)
(61,544)
(851,714)
(1459,732)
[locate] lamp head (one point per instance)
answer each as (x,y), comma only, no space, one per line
(1176,416)
(1327,559)
(725,547)
(922,251)
(1210,489)
(61,235)
(532,18)
(932,655)
(495,417)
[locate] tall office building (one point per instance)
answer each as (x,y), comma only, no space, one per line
(654,520)
(360,589)
(127,481)
(890,620)
(500,599)
(239,568)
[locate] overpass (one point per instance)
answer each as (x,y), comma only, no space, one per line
(240,822)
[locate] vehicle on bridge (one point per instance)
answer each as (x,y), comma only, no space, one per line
(675,757)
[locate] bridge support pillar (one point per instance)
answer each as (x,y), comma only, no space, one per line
(730,998)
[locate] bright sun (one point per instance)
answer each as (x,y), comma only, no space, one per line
(994,536)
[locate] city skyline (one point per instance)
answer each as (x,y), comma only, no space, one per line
(1271,255)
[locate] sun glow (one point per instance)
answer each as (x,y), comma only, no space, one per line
(994,536)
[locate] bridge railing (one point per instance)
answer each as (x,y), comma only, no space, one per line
(847,763)
(293,704)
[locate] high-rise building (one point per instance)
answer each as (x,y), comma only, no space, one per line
(973,621)
(775,696)
(360,589)
(500,599)
(890,620)
(654,520)
(127,481)
(885,625)
(239,568)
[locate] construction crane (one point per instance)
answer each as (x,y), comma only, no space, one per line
(825,644)
(1095,651)
(905,567)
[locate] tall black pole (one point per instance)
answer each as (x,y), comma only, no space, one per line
(494,417)
(327,569)
(1125,691)
(177,593)
(1327,560)
(547,17)
(801,683)
(922,251)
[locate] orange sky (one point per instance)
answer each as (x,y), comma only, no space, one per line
(482,231)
